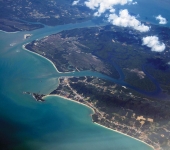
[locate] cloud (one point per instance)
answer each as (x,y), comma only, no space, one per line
(126,20)
(103,5)
(154,43)
(135,3)
(75,2)
(161,19)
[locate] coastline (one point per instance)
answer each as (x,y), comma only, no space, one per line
(69,100)
(23,46)
(126,135)
(9,32)
(96,122)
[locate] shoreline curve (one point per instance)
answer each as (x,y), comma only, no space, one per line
(55,95)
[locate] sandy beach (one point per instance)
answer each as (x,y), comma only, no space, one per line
(9,32)
(23,46)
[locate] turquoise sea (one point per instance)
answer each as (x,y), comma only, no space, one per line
(56,124)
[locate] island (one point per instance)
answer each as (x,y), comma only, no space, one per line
(119,54)
(38,97)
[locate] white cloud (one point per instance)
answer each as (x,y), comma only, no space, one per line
(112,10)
(126,20)
(135,3)
(103,5)
(75,2)
(161,19)
(154,43)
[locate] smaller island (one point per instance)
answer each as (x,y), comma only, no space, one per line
(36,96)
(26,36)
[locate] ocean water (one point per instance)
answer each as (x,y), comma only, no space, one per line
(56,124)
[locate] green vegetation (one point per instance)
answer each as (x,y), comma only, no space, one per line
(121,109)
(118,53)
(16,25)
(104,49)
(44,11)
